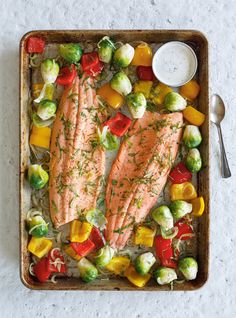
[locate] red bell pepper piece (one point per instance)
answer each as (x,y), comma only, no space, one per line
(183,229)
(145,73)
(180,174)
(42,270)
(168,263)
(56,267)
(84,248)
(35,45)
(164,248)
(66,75)
(119,124)
(96,238)
(91,64)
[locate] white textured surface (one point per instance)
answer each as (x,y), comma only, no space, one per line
(217,19)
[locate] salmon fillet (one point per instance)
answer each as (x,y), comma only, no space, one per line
(140,172)
(77,164)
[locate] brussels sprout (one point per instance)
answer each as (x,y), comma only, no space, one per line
(188,267)
(163,217)
(88,271)
(174,102)
(49,71)
(121,83)
(193,160)
(96,218)
(107,139)
(124,55)
(46,109)
(37,226)
(104,255)
(180,208)
(144,262)
(192,136)
(71,52)
(37,121)
(165,275)
(37,176)
(137,104)
(105,49)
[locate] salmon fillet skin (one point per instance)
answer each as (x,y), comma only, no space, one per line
(76,165)
(139,173)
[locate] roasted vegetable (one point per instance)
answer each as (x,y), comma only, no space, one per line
(88,271)
(109,95)
(143,87)
(193,116)
(169,234)
(190,90)
(159,93)
(37,176)
(79,231)
(121,83)
(174,102)
(142,55)
(135,278)
(104,256)
(119,124)
(43,91)
(144,236)
(183,191)
(107,140)
(198,206)
(163,217)
(165,275)
(40,136)
(144,262)
(46,109)
(137,104)
(118,265)
(39,246)
(192,136)
(180,174)
(193,160)
(37,226)
(188,267)
(49,71)
(71,52)
(106,48)
(96,218)
(123,55)
(180,208)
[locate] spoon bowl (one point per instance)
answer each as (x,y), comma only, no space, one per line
(217,109)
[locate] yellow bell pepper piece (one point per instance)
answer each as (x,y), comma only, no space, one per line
(40,136)
(142,55)
(193,116)
(182,191)
(135,278)
(198,206)
(49,92)
(118,265)
(114,99)
(39,246)
(159,93)
(190,90)
(143,87)
(79,231)
(71,252)
(144,236)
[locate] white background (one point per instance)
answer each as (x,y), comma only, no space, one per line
(217,19)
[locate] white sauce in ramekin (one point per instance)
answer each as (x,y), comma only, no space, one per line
(174,63)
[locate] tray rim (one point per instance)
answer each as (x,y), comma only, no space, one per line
(87,287)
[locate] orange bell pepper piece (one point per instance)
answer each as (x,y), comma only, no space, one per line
(198,206)
(142,55)
(71,252)
(193,116)
(135,278)
(159,93)
(79,231)
(190,90)
(114,99)
(40,136)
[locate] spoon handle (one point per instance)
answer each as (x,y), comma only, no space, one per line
(224,162)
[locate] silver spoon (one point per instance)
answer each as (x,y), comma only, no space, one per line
(217,114)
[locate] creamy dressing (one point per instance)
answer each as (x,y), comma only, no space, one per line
(174,63)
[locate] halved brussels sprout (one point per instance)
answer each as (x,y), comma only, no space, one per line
(37,226)
(37,121)
(104,255)
(180,208)
(162,215)
(88,271)
(137,104)
(49,71)
(121,83)
(192,136)
(96,218)
(71,52)
(46,109)
(123,55)
(188,267)
(193,160)
(107,140)
(106,48)
(37,176)
(165,275)
(144,262)
(174,102)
